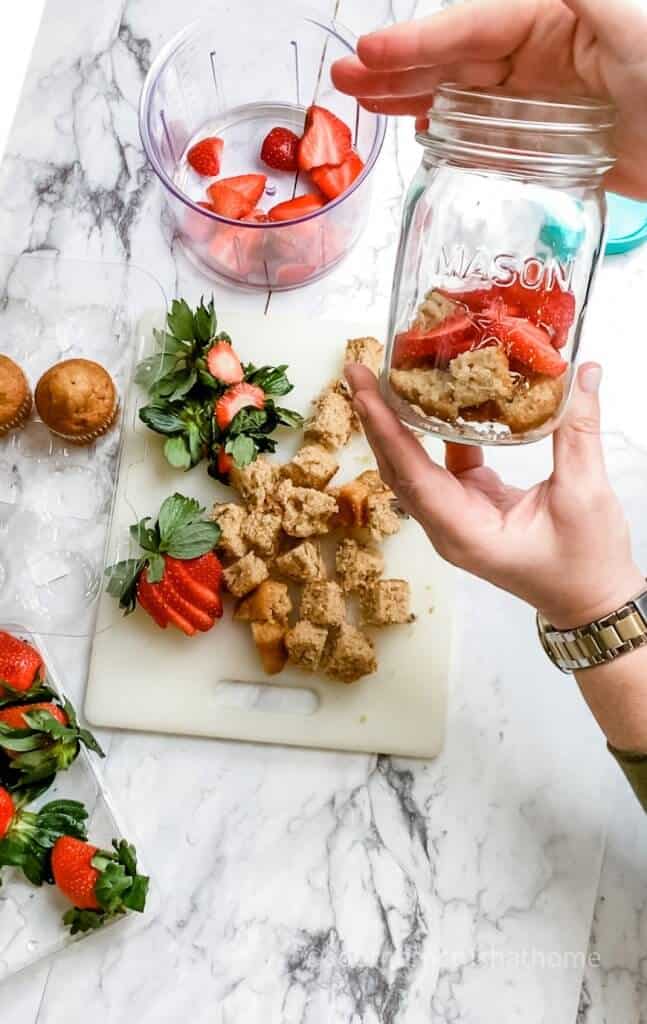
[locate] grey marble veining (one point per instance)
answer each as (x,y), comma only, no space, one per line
(299,887)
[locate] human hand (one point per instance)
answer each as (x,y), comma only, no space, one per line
(563,546)
(592,47)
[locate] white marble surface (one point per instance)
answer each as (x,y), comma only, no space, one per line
(314,887)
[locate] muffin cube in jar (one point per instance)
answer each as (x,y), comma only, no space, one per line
(502,231)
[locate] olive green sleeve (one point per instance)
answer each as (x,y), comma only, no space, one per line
(635,768)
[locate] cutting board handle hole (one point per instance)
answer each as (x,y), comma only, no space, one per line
(271,699)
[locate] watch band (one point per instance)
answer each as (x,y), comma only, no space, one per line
(599,641)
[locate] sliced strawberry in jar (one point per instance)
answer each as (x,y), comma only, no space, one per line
(224,364)
(293,273)
(326,139)
(237,252)
(258,216)
(228,202)
(437,347)
(301,206)
(205,156)
(236,398)
(552,307)
(280,149)
(336,239)
(528,344)
(475,299)
(249,186)
(198,228)
(332,181)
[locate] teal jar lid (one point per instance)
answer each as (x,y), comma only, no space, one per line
(563,240)
(626,224)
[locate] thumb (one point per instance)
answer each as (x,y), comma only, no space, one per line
(576,443)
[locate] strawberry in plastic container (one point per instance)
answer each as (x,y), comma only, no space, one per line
(100,884)
(40,739)
(28,837)
(22,670)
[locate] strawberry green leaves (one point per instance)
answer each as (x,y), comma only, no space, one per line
(37,692)
(183,386)
(122,582)
(272,379)
(188,426)
(181,321)
(172,372)
(179,531)
(176,514)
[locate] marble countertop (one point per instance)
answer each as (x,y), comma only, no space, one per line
(301,887)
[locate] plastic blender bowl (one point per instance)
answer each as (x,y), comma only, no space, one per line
(237,75)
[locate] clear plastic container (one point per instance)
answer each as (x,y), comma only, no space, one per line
(55,506)
(238,73)
(55,498)
(30,918)
(502,230)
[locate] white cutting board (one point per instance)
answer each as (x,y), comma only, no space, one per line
(145,678)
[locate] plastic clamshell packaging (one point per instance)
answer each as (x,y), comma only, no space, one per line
(55,507)
(30,918)
(56,498)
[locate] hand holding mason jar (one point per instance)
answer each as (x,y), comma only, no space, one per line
(502,230)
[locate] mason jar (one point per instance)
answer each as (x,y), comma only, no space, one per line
(502,231)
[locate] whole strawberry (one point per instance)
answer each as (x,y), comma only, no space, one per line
(101,884)
(38,740)
(178,578)
(280,150)
(27,837)
(21,668)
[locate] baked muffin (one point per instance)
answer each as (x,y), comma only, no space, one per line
(77,400)
(15,396)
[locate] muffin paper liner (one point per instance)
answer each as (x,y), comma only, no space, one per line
(21,416)
(92,435)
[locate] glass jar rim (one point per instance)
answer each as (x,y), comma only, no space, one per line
(531,111)
(549,131)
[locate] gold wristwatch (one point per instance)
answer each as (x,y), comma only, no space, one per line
(601,640)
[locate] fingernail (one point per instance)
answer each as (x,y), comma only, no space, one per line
(590,377)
